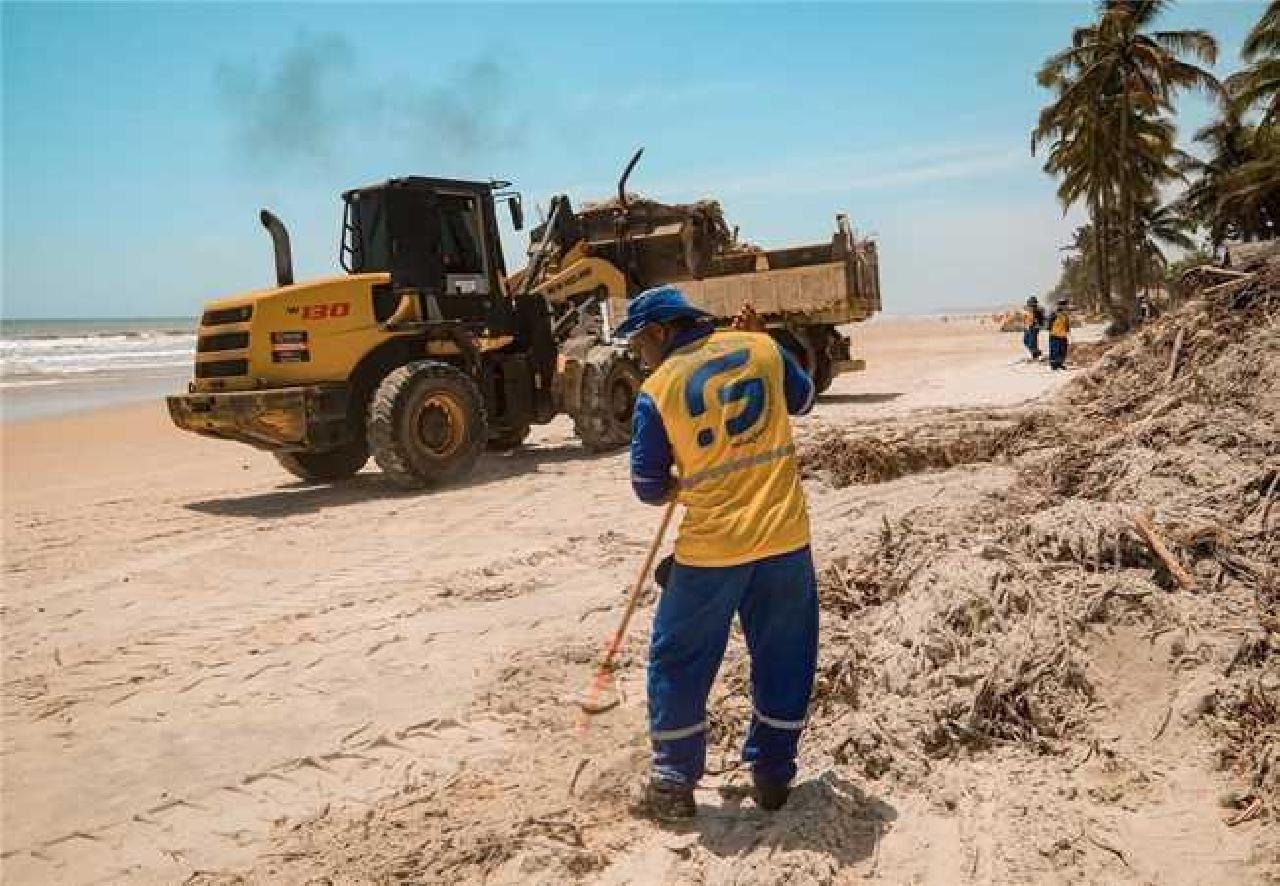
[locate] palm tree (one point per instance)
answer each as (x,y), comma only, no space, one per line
(1259,84)
(1231,194)
(1082,154)
(1117,77)
(1080,267)
(1162,226)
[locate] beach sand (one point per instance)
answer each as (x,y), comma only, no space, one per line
(199,650)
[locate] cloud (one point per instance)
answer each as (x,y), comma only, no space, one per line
(861,171)
(658,96)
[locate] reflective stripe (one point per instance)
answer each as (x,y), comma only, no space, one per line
(740,464)
(790,725)
(677,734)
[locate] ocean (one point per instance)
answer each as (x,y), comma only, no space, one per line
(49,367)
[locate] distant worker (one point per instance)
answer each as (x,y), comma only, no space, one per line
(1059,330)
(715,409)
(1032,323)
(1146,309)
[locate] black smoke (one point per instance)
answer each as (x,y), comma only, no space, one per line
(297,107)
(315,102)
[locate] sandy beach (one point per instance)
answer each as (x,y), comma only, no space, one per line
(200,653)
(186,627)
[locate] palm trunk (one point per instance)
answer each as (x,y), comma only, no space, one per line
(1109,254)
(1100,254)
(1128,272)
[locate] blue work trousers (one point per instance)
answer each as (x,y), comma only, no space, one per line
(1057,352)
(1031,341)
(777,601)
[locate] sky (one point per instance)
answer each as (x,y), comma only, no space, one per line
(140,141)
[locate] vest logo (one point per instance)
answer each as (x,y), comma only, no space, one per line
(750,391)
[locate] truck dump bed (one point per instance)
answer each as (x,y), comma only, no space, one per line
(692,246)
(832,283)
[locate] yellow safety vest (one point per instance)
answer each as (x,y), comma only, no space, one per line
(1061,325)
(724,408)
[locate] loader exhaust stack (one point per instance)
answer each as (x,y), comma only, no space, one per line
(280,243)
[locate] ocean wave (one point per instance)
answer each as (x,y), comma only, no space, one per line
(77,354)
(105,334)
(96,343)
(81,365)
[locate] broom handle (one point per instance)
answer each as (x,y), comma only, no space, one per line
(616,643)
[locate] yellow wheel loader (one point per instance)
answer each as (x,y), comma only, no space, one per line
(419,356)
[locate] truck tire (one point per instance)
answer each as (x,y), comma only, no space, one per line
(810,347)
(426,424)
(506,440)
(326,467)
(610,383)
(820,359)
(822,377)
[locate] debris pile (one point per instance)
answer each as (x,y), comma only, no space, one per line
(1130,521)
(877,452)
(1145,495)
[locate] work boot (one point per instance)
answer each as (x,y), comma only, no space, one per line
(771,795)
(666,801)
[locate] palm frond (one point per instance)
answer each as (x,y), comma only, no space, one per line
(1196,43)
(1264,37)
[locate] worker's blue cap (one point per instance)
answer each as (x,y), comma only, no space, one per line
(661,304)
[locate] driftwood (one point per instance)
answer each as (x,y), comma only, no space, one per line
(1173,359)
(1266,504)
(1223,272)
(1143,524)
(1221,287)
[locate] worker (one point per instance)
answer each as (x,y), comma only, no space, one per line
(715,409)
(1059,329)
(1032,323)
(1146,309)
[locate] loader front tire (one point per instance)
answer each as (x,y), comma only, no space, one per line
(426,424)
(610,384)
(330,466)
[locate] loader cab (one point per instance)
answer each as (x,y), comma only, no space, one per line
(435,236)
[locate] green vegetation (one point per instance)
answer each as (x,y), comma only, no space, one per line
(1109,137)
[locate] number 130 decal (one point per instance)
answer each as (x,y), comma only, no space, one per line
(750,391)
(333,311)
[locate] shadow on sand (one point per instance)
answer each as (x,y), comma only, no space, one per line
(291,499)
(827,815)
(854,399)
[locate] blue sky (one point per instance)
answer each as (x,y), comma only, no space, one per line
(139,141)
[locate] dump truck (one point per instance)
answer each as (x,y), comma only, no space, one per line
(425,351)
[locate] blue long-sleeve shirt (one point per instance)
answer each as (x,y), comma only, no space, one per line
(651,455)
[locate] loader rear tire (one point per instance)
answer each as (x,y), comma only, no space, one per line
(426,424)
(610,383)
(326,467)
(505,441)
